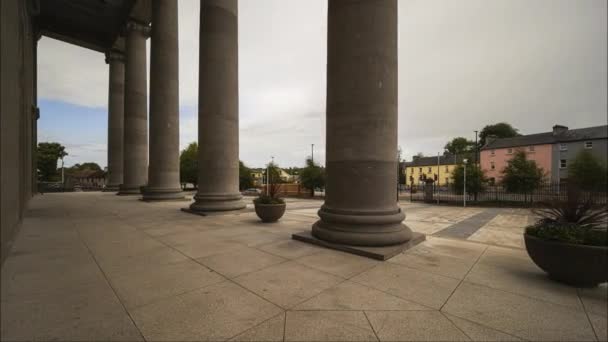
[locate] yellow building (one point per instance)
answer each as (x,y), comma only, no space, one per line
(437,168)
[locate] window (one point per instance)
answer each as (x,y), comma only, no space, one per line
(563,163)
(563,147)
(492,166)
(420,169)
(531,148)
(447,169)
(589,144)
(510,151)
(492,152)
(430,170)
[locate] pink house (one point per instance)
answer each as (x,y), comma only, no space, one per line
(496,153)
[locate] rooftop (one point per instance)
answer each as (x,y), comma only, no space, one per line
(565,135)
(95,266)
(445,159)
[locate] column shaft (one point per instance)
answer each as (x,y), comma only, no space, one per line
(360,205)
(135,167)
(116,106)
(163,182)
(218,116)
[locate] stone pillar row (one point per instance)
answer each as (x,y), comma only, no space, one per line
(361,117)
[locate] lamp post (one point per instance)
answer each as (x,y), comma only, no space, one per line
(476,163)
(312,153)
(464,194)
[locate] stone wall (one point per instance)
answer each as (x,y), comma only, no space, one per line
(17,115)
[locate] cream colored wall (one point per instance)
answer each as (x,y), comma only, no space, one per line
(444,172)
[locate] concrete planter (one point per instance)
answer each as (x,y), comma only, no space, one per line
(578,265)
(270,212)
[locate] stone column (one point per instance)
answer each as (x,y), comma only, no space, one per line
(116,106)
(360,206)
(163,182)
(135,167)
(218,112)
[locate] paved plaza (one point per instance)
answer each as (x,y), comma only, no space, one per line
(95,266)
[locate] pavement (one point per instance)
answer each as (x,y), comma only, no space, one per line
(95,266)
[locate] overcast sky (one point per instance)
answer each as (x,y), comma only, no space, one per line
(462,64)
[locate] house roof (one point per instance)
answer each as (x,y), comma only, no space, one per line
(568,135)
(446,159)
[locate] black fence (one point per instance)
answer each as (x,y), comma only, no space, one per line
(498,195)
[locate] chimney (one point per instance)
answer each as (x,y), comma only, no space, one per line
(559,129)
(490,138)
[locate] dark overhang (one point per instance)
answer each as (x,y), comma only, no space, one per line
(93,24)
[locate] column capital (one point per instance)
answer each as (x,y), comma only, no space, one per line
(137,26)
(114,55)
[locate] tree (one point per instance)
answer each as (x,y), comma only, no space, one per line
(499,130)
(312,176)
(459,146)
(86,166)
(417,156)
(47,156)
(476,179)
(522,175)
(588,172)
(188,165)
(245,177)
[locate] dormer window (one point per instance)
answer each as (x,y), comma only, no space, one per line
(588,144)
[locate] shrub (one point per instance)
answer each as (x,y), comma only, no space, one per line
(578,219)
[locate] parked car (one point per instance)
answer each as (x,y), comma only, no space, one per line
(252,192)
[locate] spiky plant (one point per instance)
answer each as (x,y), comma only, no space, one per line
(580,219)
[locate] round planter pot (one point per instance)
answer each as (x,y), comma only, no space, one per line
(578,265)
(269,212)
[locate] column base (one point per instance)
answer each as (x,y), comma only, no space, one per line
(125,190)
(111,188)
(162,194)
(372,229)
(217,202)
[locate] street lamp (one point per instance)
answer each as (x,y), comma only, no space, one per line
(464,194)
(312,151)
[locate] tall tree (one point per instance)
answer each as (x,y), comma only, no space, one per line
(245,177)
(476,178)
(522,175)
(499,130)
(459,146)
(312,176)
(588,172)
(188,165)
(47,156)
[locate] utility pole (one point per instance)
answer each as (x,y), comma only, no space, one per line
(464,194)
(475,165)
(312,153)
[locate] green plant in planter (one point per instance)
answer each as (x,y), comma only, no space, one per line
(274,188)
(570,240)
(579,219)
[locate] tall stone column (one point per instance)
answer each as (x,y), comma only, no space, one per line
(135,167)
(163,182)
(360,206)
(218,112)
(116,106)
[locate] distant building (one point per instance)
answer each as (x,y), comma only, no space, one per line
(259,176)
(553,151)
(437,168)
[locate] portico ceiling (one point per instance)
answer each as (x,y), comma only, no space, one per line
(93,24)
